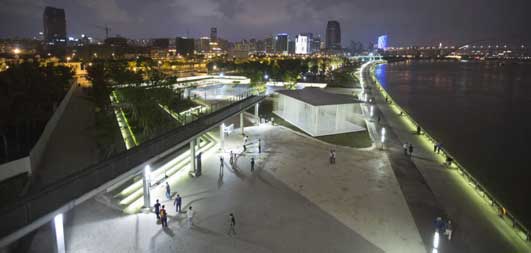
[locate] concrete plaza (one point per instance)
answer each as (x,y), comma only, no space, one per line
(294,201)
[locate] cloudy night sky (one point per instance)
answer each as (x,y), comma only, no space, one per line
(406,21)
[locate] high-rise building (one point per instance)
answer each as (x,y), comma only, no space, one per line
(281,43)
(291,47)
(302,44)
(204,44)
(214,34)
(382,42)
(54,21)
(333,36)
(315,44)
(184,46)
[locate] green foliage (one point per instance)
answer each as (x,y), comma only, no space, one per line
(29,93)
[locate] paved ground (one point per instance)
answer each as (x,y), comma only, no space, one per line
(477,228)
(293,202)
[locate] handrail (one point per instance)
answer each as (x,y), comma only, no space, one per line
(516,224)
(35,205)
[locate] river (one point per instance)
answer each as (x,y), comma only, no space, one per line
(481,112)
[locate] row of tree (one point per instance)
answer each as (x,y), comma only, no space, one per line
(29,94)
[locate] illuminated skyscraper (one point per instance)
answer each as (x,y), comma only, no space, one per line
(333,36)
(302,44)
(382,42)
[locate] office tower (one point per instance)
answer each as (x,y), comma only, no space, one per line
(302,44)
(333,36)
(214,34)
(54,26)
(281,43)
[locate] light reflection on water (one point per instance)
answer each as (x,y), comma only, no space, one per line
(482,114)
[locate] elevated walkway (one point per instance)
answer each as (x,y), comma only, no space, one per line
(37,208)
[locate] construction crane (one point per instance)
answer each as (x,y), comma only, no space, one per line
(106,28)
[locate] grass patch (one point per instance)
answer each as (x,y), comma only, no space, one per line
(356,139)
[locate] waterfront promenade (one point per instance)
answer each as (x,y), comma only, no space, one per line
(477,227)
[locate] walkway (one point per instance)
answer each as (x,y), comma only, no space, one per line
(477,227)
(271,217)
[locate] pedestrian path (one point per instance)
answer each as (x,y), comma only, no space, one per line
(271,216)
(477,227)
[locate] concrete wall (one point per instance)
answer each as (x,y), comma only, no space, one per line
(16,167)
(37,152)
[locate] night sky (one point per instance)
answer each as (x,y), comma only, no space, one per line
(407,22)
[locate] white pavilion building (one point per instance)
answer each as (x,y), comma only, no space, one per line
(319,113)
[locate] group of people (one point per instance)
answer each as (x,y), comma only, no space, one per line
(162,214)
(408,149)
(444,227)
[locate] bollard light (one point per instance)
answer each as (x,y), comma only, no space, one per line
(383,135)
(372,110)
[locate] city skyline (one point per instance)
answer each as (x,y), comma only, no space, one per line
(406,21)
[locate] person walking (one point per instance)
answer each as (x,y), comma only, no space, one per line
(231,159)
(157,209)
(449,230)
(259,146)
(221,162)
(334,156)
(190,215)
(177,203)
(419,131)
(439,147)
(232,225)
(410,149)
(168,191)
(405,147)
(163,217)
(252,164)
(331,157)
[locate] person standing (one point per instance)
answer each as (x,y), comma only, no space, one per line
(252,164)
(157,209)
(439,147)
(405,147)
(163,217)
(231,159)
(168,191)
(259,146)
(190,215)
(435,148)
(232,225)
(177,203)
(410,149)
(330,159)
(221,162)
(334,156)
(419,131)
(449,230)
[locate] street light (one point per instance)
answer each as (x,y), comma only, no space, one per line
(68,59)
(266,77)
(16,51)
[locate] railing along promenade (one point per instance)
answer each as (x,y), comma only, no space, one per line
(522,231)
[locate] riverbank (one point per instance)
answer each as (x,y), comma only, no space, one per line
(465,201)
